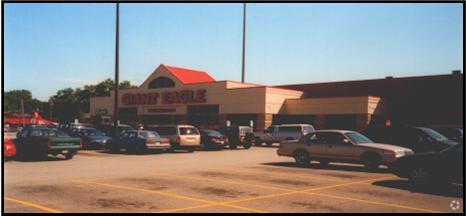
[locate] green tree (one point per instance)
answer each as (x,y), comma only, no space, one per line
(70,104)
(12,102)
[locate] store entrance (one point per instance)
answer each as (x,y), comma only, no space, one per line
(161,119)
(204,116)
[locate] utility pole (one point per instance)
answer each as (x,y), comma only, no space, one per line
(115,107)
(50,107)
(22,108)
(244,44)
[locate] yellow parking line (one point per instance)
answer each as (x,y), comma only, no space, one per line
(43,208)
(374,202)
(304,190)
(281,194)
(291,175)
(168,194)
(224,181)
(186,208)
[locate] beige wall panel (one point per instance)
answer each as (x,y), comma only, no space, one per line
(323,106)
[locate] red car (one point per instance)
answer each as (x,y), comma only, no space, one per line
(9,149)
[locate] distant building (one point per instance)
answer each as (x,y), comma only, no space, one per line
(173,95)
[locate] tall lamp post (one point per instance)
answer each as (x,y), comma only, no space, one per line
(244,44)
(115,107)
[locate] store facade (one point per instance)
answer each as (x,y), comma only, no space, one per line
(173,95)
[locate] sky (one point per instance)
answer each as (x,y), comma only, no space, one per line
(48,47)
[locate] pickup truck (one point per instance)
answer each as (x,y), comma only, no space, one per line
(42,141)
(279,133)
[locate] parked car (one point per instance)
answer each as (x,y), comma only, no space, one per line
(9,149)
(453,133)
(91,137)
(137,141)
(278,133)
(212,139)
(40,141)
(109,129)
(419,139)
(68,127)
(432,167)
(341,146)
(239,136)
(182,137)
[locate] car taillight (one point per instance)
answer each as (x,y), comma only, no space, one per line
(165,142)
(177,139)
(150,142)
(81,143)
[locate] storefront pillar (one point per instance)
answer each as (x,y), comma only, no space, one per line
(263,121)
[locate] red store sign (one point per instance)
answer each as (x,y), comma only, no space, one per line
(171,97)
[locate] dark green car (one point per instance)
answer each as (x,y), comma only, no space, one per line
(42,141)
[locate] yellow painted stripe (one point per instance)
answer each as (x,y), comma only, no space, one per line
(292,175)
(169,195)
(187,208)
(43,208)
(304,190)
(374,202)
(144,190)
(224,181)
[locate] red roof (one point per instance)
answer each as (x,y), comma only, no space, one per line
(188,76)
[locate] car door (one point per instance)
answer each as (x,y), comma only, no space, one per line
(315,144)
(131,139)
(335,147)
(120,140)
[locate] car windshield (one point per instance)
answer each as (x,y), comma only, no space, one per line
(188,131)
(358,138)
(212,133)
(148,135)
(434,135)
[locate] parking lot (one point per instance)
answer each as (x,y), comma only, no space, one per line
(253,180)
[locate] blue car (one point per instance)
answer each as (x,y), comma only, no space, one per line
(138,141)
(91,137)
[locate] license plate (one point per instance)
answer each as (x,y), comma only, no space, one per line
(64,151)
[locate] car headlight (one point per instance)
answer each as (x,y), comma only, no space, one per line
(401,153)
(104,141)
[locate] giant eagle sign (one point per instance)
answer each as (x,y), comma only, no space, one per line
(169,97)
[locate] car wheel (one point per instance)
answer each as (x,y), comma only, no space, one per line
(69,155)
(233,146)
(302,158)
(190,150)
(247,145)
(371,162)
(418,176)
(257,141)
(269,143)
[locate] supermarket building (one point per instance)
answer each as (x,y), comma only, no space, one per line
(173,95)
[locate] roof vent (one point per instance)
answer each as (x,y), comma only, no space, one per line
(389,77)
(456,72)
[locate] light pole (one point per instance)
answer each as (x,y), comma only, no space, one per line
(244,44)
(115,107)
